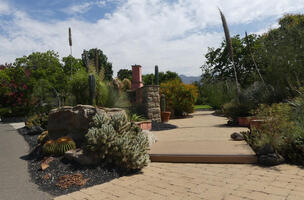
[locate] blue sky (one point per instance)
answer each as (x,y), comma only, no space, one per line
(173,34)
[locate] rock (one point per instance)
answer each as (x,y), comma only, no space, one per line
(151,137)
(237,136)
(270,159)
(80,157)
(266,149)
(35,130)
(75,121)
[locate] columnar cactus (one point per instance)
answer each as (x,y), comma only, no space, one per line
(163,103)
(156,75)
(92,88)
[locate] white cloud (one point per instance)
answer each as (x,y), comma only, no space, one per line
(147,32)
(4,8)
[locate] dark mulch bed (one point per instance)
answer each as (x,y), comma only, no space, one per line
(59,167)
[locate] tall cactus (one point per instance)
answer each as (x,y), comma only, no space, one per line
(92,88)
(156,75)
(163,103)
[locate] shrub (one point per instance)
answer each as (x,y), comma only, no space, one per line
(281,129)
(248,100)
(38,119)
(233,110)
(79,87)
(218,93)
(180,98)
(117,141)
(126,84)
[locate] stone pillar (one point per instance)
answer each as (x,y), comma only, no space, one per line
(136,77)
(151,102)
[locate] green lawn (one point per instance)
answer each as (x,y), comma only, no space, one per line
(202,107)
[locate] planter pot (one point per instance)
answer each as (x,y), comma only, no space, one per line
(244,121)
(144,125)
(165,116)
(256,124)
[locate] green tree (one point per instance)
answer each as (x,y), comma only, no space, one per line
(282,56)
(96,58)
(44,66)
(219,64)
(71,62)
(148,79)
(124,73)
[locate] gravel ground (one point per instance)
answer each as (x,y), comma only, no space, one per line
(47,179)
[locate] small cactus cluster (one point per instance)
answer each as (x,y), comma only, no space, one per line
(118,141)
(58,147)
(43,137)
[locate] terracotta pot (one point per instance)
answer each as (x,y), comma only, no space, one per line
(244,121)
(165,116)
(145,125)
(256,124)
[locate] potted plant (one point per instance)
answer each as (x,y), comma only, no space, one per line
(141,122)
(165,115)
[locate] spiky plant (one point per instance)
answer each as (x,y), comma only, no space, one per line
(118,141)
(64,144)
(126,84)
(230,48)
(49,148)
(156,74)
(44,136)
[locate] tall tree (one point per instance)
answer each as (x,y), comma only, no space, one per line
(148,79)
(124,73)
(96,58)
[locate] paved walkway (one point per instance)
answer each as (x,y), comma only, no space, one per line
(15,181)
(201,138)
(201,181)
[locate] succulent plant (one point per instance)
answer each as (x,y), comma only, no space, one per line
(156,75)
(49,148)
(118,141)
(43,137)
(64,144)
(92,88)
(163,103)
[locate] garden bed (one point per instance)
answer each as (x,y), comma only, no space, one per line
(47,179)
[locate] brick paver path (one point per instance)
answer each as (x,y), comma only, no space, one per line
(202,181)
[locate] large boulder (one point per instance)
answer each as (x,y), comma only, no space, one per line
(75,121)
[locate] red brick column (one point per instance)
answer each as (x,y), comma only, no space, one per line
(136,77)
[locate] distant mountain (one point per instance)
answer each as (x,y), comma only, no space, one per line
(189,79)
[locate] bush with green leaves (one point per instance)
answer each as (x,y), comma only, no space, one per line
(216,94)
(282,129)
(248,100)
(180,97)
(117,141)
